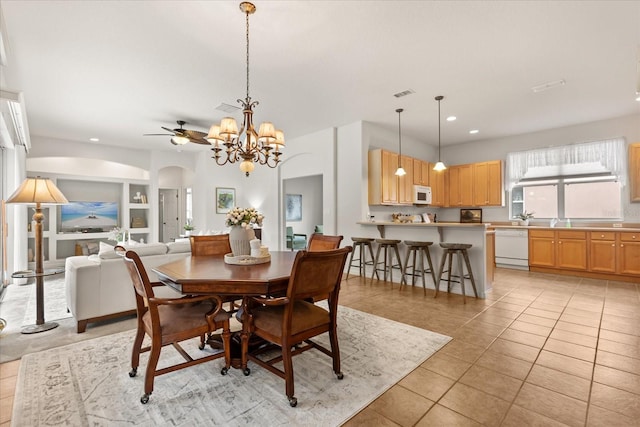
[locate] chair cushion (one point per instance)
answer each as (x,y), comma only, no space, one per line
(179,318)
(305,316)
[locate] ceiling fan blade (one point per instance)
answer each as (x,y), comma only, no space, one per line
(173,131)
(157,134)
(201,141)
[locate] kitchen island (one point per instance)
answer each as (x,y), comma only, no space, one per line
(476,234)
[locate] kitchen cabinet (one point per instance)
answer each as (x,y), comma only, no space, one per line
(437,184)
(628,253)
(487,183)
(461,185)
(385,188)
(563,249)
(602,251)
(420,172)
(634,172)
(405,183)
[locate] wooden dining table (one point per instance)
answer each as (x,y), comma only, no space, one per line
(211,275)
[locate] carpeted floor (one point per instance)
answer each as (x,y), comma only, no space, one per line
(18,308)
(87,383)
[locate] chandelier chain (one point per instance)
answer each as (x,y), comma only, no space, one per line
(247,36)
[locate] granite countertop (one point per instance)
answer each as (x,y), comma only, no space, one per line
(577,228)
(430,224)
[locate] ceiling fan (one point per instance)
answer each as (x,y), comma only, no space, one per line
(181,136)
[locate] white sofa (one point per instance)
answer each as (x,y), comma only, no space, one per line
(98,287)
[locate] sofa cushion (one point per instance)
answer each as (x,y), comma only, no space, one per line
(142,249)
(178,247)
(106,251)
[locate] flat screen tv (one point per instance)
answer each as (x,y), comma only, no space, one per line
(88,217)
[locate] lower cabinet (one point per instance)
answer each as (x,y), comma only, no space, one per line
(603,253)
(558,249)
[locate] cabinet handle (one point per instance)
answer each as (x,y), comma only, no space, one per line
(633,237)
(622,246)
(613,244)
(559,243)
(602,235)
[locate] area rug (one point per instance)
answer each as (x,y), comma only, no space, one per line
(87,383)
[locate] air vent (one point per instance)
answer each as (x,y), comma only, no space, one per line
(404,93)
(227,108)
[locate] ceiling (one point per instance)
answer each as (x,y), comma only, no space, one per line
(116,70)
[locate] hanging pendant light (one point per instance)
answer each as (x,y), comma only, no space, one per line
(400,171)
(439,166)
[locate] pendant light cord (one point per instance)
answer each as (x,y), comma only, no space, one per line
(439,158)
(399,110)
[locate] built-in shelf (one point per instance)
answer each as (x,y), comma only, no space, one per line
(134,214)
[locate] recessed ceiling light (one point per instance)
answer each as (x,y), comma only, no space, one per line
(451,118)
(94,139)
(548,85)
(474,131)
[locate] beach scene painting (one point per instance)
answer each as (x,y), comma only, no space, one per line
(94,216)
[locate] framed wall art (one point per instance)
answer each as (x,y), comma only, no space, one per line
(293,207)
(225,199)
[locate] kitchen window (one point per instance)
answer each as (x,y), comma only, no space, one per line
(597,198)
(580,181)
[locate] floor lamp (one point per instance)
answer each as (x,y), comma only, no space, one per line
(38,191)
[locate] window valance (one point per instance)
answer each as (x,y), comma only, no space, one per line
(588,157)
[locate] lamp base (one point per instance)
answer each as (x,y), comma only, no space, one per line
(34,329)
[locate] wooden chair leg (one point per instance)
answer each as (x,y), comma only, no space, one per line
(288,373)
(473,282)
(403,281)
(461,273)
(450,255)
(149,376)
(440,271)
(335,353)
(375,265)
(135,352)
(371,253)
(433,275)
(424,284)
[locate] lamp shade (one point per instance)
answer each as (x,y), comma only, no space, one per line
(228,127)
(267,132)
(214,134)
(38,190)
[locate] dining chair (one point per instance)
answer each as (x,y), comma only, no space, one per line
(323,242)
(295,241)
(213,245)
(210,245)
(170,321)
(289,322)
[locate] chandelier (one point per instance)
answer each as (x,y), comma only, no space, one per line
(262,147)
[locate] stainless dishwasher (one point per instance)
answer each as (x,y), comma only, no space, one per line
(512,248)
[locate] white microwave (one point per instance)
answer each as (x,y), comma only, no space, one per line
(421,195)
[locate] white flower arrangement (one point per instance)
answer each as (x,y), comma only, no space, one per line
(244,217)
(115,234)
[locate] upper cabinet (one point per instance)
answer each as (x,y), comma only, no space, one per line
(474,184)
(487,183)
(420,172)
(461,185)
(385,188)
(634,172)
(437,184)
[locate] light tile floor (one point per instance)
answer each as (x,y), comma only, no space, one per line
(539,350)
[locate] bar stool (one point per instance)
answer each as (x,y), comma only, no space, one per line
(417,249)
(459,249)
(361,243)
(389,247)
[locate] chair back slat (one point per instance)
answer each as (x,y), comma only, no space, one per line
(138,274)
(323,242)
(210,245)
(317,273)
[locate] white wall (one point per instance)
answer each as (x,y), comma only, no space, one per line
(310,187)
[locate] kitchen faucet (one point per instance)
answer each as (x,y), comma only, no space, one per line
(553,223)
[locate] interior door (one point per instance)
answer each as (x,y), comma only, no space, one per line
(169,215)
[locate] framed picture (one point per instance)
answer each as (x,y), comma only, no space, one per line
(225,199)
(470,215)
(293,207)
